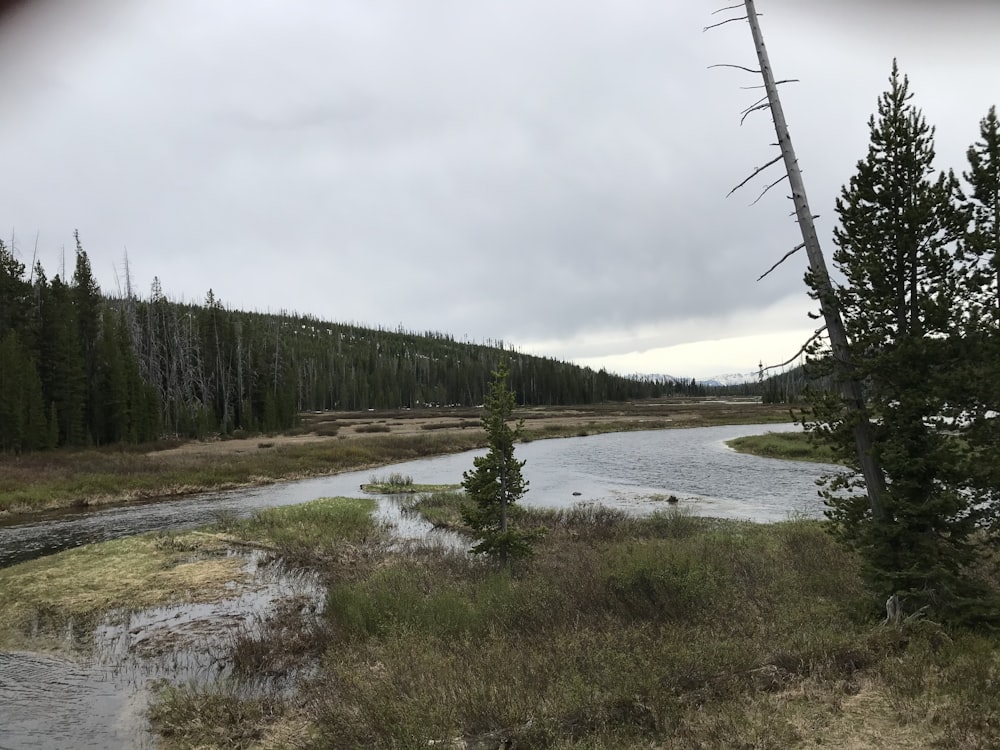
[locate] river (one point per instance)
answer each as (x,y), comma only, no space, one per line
(631,470)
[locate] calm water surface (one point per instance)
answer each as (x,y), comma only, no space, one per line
(631,470)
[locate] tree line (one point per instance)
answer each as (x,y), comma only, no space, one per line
(78,367)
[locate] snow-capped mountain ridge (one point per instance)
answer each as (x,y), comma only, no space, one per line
(736,378)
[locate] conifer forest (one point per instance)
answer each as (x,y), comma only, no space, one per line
(79,367)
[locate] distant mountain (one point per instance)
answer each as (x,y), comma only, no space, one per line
(736,378)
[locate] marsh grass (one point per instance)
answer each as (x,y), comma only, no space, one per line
(322,530)
(670,631)
(64,478)
(401,484)
(442,508)
(621,632)
(792,446)
(227,717)
(72,589)
(460,424)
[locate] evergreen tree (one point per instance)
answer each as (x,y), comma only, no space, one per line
(15,293)
(902,307)
(980,343)
(62,369)
(23,426)
(982,246)
(87,304)
(496,482)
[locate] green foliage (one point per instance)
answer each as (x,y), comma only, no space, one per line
(907,305)
(23,424)
(496,482)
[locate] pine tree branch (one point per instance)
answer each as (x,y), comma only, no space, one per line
(785,257)
(756,172)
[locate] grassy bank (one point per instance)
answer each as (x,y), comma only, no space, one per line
(43,600)
(324,444)
(666,632)
(60,479)
(792,446)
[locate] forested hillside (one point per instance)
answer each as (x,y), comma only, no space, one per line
(81,368)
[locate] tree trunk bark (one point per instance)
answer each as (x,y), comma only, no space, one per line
(843,367)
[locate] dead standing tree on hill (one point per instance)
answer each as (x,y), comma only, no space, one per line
(843,371)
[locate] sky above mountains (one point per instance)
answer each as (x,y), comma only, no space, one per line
(552,175)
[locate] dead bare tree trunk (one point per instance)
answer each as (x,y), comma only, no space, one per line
(871,470)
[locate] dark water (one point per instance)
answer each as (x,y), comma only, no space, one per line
(627,470)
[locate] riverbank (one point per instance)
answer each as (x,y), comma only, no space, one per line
(323,444)
(789,446)
(669,631)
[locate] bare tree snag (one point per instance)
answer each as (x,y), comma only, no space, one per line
(844,372)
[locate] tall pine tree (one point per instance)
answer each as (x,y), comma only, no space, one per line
(902,305)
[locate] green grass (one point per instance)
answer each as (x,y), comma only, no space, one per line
(326,528)
(668,632)
(792,446)
(402,484)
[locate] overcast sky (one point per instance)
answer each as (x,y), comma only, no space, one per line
(550,174)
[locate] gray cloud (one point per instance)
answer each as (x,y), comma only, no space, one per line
(534,172)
